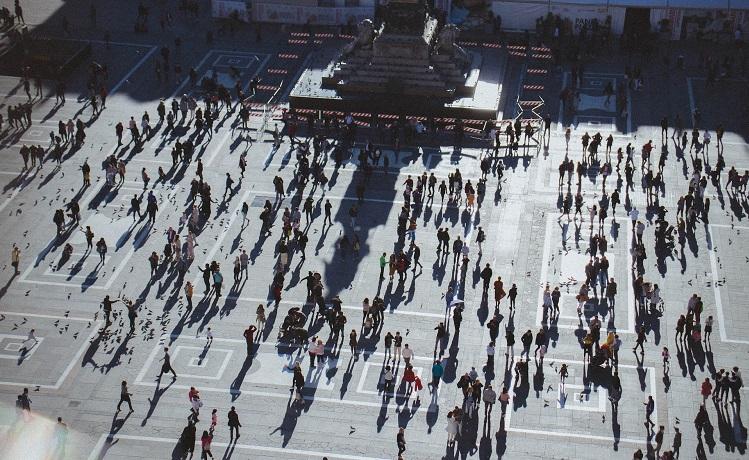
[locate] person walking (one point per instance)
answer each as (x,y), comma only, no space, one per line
(490,351)
(188,294)
(15,259)
(132,314)
(135,203)
(166,365)
(353,343)
(708,329)
(125,396)
(510,339)
(249,337)
(101,248)
(453,427)
(205,444)
(106,305)
(298,382)
(527,340)
(499,291)
(659,441)
(649,409)
(23,402)
(31,338)
(328,213)
(540,340)
(666,357)
(218,281)
(706,389)
(397,341)
(641,339)
(233,421)
(486,277)
(400,440)
(206,272)
(244,261)
(407,353)
(260,317)
(490,397)
(677,442)
(438,370)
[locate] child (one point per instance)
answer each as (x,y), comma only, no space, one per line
(209,337)
(418,386)
(666,364)
(214,420)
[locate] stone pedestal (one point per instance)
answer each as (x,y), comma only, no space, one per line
(408,64)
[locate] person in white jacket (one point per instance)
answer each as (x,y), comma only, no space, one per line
(407,354)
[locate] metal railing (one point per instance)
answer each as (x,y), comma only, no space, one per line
(267,112)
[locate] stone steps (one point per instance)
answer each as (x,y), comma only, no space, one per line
(385,80)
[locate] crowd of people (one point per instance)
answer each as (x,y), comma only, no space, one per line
(291,213)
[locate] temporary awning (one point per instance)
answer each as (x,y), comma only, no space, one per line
(695,4)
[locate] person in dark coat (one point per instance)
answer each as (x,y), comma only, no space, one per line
(233,422)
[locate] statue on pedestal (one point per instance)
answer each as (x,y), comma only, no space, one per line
(446,44)
(364,39)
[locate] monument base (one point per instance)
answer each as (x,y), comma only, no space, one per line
(481,103)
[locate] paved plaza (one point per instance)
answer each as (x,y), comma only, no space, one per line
(78,355)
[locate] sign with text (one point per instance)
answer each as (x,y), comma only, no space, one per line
(315,15)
